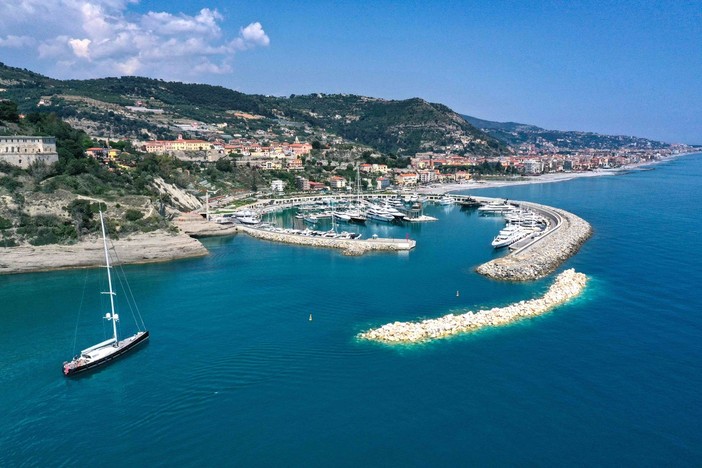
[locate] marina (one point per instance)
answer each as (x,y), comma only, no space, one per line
(539,237)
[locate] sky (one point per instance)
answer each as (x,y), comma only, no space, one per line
(616,67)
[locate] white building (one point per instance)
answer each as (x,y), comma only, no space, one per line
(22,150)
(277,185)
(337,182)
(533,167)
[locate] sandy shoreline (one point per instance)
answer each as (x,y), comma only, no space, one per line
(544,178)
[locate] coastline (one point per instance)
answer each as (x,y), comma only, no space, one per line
(152,247)
(162,246)
(548,178)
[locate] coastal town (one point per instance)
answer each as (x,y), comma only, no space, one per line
(425,168)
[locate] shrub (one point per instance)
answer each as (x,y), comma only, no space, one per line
(10,183)
(5,223)
(133,215)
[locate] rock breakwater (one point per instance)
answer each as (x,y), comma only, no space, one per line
(349,246)
(567,285)
(543,256)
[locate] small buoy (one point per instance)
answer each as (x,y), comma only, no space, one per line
(310,317)
(458,293)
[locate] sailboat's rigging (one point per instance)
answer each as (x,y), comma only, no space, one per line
(112,347)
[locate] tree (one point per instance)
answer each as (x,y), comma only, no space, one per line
(82,214)
(224,165)
(8,111)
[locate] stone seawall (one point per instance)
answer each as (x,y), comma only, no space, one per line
(349,246)
(567,285)
(543,256)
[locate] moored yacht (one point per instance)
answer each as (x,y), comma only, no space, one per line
(496,207)
(509,237)
(378,213)
(447,199)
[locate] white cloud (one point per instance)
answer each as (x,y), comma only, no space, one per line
(80,47)
(254,35)
(17,42)
(205,23)
(91,38)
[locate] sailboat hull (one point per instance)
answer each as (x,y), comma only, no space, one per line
(81,364)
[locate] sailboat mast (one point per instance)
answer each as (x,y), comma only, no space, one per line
(109,278)
(333,220)
(358,189)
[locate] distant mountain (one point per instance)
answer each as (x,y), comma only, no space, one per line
(99,106)
(516,134)
(401,127)
(505,126)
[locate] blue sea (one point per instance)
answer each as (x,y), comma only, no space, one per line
(236,374)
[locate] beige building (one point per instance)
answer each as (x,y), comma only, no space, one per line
(22,150)
(337,182)
(180,144)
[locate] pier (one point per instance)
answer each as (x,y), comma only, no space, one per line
(540,256)
(567,286)
(348,246)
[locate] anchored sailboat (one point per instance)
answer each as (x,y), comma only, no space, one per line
(110,349)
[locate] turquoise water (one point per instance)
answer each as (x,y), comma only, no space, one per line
(236,374)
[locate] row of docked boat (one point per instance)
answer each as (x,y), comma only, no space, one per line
(511,234)
(248,217)
(386,211)
(521,223)
(312,233)
(497,207)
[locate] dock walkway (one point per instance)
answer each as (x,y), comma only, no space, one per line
(349,246)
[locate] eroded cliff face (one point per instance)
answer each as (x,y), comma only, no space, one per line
(179,198)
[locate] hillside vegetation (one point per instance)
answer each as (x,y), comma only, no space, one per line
(516,134)
(399,127)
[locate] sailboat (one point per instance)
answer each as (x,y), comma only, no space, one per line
(113,347)
(356,214)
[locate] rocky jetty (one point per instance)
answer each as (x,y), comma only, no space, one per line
(349,246)
(567,285)
(545,254)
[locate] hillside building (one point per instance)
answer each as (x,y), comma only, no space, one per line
(381,183)
(277,185)
(169,146)
(337,182)
(23,151)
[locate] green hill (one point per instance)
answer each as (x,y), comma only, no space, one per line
(100,106)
